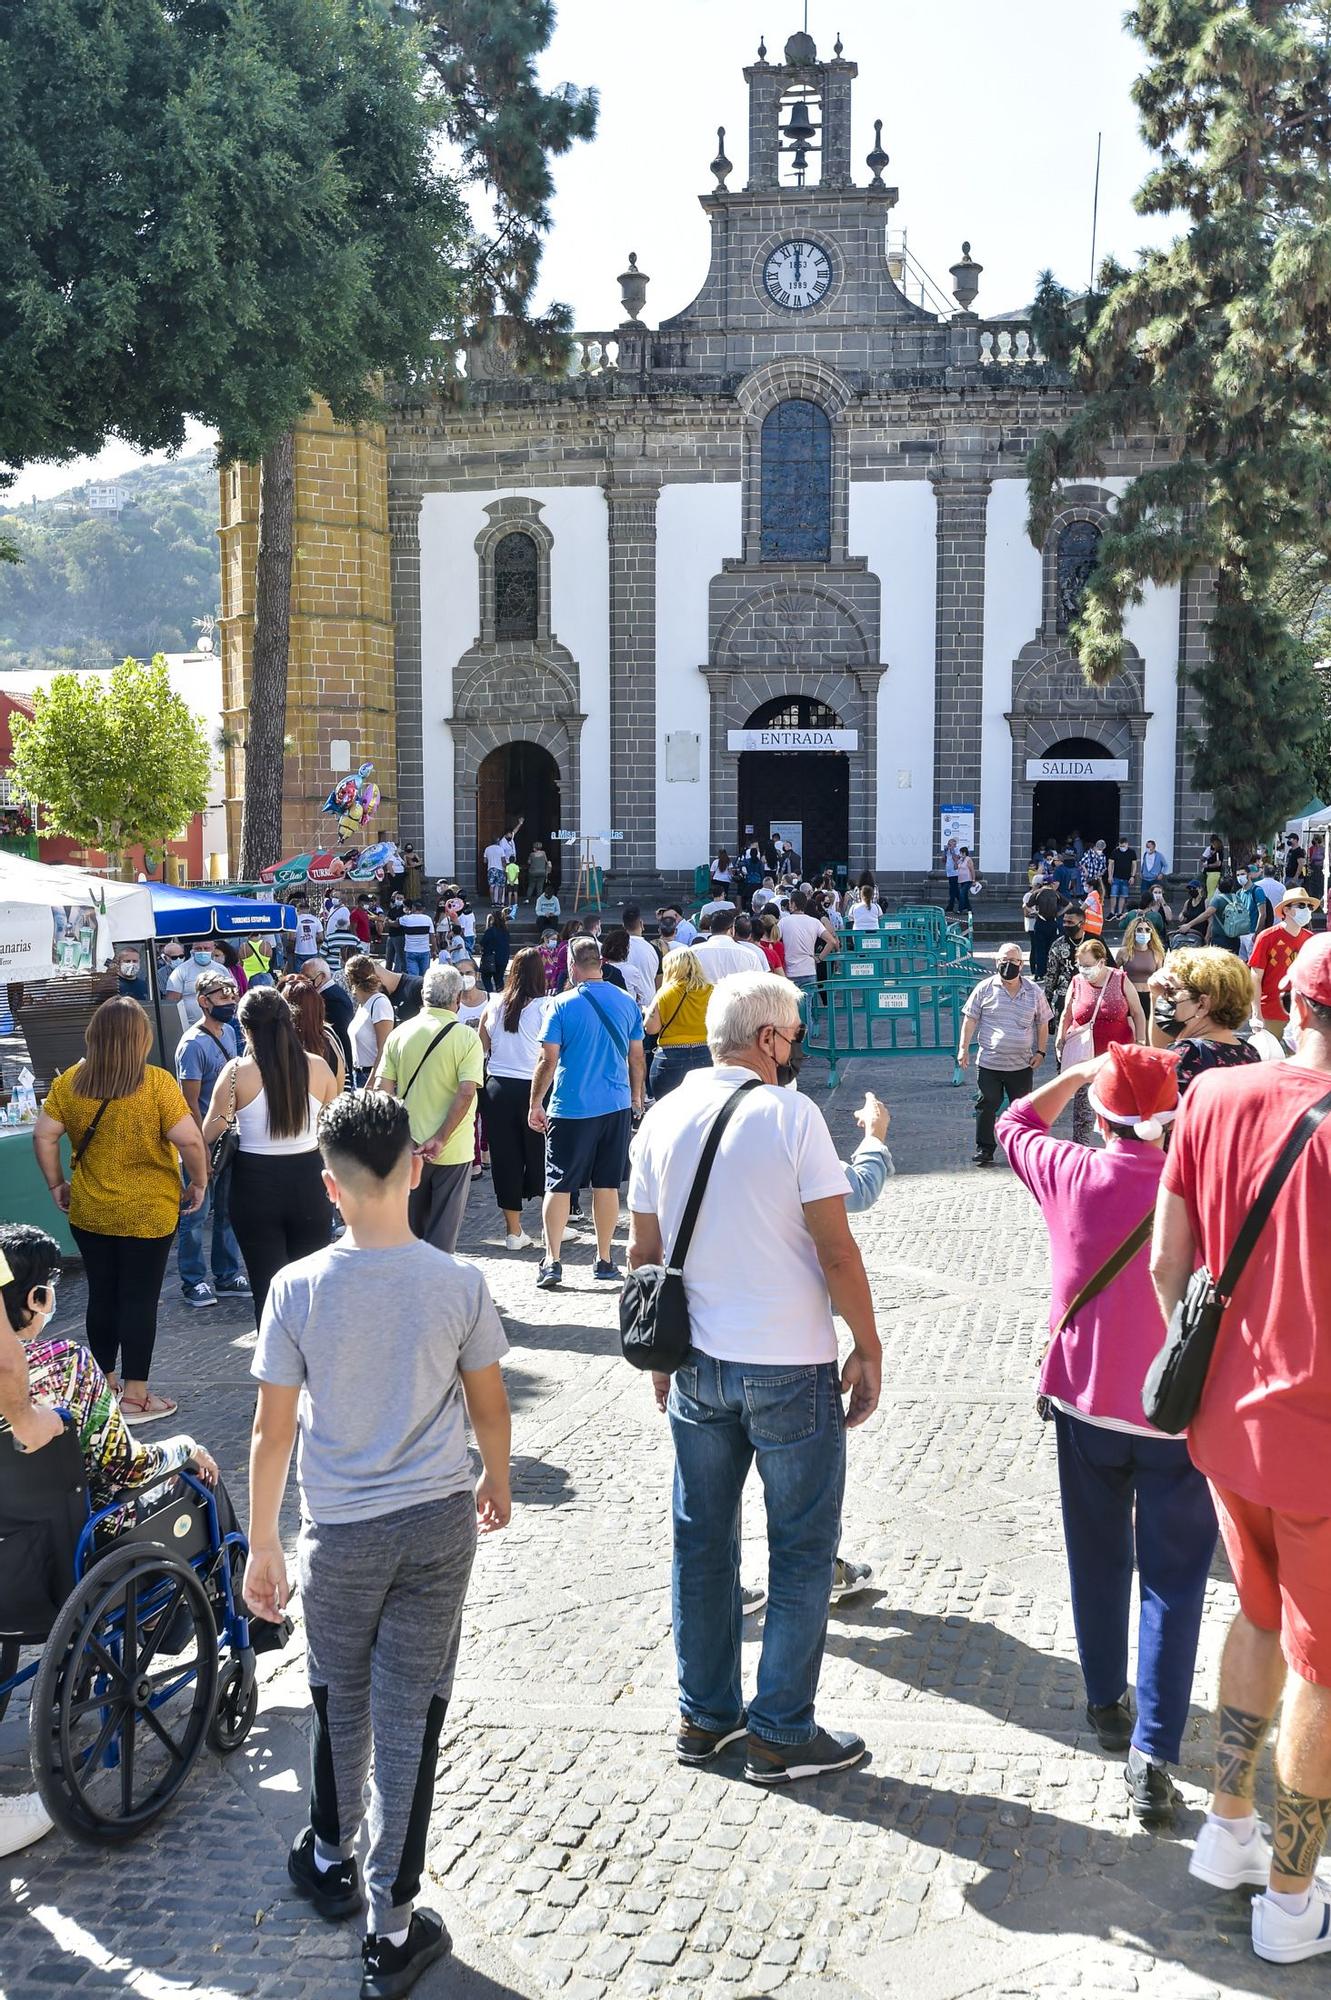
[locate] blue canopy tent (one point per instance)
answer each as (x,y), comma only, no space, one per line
(203,912)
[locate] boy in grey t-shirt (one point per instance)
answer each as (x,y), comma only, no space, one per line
(368,1351)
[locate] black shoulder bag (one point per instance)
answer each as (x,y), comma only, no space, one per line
(654,1330)
(1173,1388)
(447,1029)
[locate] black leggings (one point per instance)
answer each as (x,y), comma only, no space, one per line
(279,1211)
(517,1154)
(124,1276)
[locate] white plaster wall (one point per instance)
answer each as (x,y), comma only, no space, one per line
(1152,626)
(450,625)
(696,526)
(1012,584)
(893,526)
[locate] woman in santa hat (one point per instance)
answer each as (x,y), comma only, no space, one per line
(1105,1329)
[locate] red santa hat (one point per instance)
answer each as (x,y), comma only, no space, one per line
(1137,1088)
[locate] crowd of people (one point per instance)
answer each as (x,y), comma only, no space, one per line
(329,1126)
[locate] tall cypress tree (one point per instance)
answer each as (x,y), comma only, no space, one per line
(1219,347)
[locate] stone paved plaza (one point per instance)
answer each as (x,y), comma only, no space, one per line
(985,1847)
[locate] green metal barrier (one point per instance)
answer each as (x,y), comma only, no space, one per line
(911,1014)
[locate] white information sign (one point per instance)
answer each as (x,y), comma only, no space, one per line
(1076,770)
(792,739)
(894,1001)
(27,935)
(958,823)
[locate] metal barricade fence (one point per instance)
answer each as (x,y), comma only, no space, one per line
(907,1014)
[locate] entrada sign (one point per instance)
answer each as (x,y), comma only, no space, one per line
(1077,770)
(793,739)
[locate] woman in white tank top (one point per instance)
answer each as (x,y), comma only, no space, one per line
(273,1190)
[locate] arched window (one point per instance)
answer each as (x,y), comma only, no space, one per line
(1078,553)
(796,483)
(516,572)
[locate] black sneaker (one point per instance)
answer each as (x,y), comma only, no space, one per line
(607,1273)
(549,1278)
(389,1969)
(233,1288)
(1112,1723)
(982,1159)
(1151,1792)
(695,1745)
(782,1763)
(334,1892)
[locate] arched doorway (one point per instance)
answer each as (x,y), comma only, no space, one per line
(1061,807)
(518,781)
(803,794)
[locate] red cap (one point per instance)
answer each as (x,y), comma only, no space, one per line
(1310,973)
(1137,1087)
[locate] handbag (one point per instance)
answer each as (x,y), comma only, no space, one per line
(654,1330)
(1099,1281)
(1172,1392)
(1079,1043)
(227,1143)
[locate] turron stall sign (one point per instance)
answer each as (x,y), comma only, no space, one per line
(793,739)
(1077,770)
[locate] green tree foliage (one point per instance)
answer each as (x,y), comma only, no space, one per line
(90,588)
(1219,349)
(113,764)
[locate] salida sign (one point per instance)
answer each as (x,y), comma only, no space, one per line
(1073,770)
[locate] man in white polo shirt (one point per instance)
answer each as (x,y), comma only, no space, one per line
(720,953)
(762,1381)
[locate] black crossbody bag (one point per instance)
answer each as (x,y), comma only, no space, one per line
(1172,1392)
(654,1330)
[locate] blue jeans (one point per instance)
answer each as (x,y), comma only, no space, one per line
(226,1251)
(723,1415)
(1170,1542)
(671,1065)
(418,962)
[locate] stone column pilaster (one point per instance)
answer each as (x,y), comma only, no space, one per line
(962,494)
(404,517)
(764,82)
(631,494)
(1192,809)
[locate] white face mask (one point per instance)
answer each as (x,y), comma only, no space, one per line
(1142,937)
(1300,916)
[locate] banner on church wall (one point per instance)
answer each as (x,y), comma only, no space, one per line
(1076,770)
(792,739)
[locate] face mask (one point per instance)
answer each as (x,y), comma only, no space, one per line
(202,957)
(225,1013)
(1009,972)
(1300,917)
(1242,881)
(1142,937)
(129,968)
(787,1071)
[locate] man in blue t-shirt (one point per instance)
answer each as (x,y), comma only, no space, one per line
(591,1050)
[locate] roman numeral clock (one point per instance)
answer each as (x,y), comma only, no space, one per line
(797,274)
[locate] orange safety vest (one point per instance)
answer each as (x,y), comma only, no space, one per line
(1093,915)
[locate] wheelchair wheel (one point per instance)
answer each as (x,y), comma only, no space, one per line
(237,1706)
(124,1694)
(9,1652)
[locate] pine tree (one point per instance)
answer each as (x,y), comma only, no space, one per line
(1218,349)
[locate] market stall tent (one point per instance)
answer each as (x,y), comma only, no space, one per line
(202,912)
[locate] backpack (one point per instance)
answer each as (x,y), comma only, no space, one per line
(1236,914)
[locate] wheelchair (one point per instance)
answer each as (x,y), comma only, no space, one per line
(146,1650)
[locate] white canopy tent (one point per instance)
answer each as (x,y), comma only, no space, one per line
(31,892)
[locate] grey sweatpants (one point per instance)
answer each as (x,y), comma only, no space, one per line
(435,1209)
(383,1613)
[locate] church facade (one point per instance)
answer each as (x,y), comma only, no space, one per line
(764,568)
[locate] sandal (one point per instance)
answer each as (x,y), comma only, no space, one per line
(149,1411)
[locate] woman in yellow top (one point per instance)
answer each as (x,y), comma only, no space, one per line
(679,1020)
(129,1131)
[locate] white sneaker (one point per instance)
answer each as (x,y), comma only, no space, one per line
(1285,1939)
(22,1820)
(1227,1863)
(519,1242)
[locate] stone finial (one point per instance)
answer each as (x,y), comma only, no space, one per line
(801,51)
(762,49)
(877,159)
(721,166)
(837,46)
(965,279)
(633,285)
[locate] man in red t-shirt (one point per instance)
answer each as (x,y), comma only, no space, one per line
(1262,1436)
(1273,953)
(360,920)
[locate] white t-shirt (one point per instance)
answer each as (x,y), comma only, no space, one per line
(720,956)
(308,933)
(418,928)
(862,919)
(709,909)
(775,1155)
(507,849)
(639,985)
(364,1041)
(338,919)
(181,986)
(516,1054)
(645,956)
(1271,889)
(495,857)
(799,934)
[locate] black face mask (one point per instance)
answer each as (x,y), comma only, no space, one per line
(786,1072)
(1009,972)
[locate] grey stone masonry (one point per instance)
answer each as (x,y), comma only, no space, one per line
(1191,807)
(632,491)
(404,520)
(963,495)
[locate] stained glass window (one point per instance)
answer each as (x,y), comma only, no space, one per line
(516,571)
(796,484)
(1078,551)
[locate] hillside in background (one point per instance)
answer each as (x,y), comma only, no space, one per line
(94,586)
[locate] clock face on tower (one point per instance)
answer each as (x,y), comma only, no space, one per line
(797,274)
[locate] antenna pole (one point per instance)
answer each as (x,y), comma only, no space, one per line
(1095,208)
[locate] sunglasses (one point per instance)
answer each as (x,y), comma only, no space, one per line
(793,1036)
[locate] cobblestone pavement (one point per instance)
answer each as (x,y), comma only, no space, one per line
(984,1849)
